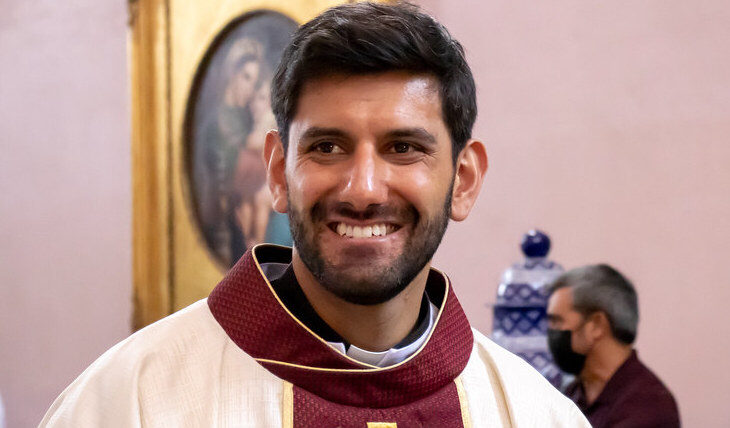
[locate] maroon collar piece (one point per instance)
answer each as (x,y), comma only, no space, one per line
(248,310)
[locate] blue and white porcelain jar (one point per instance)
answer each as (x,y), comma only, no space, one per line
(520,321)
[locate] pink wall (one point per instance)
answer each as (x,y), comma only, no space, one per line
(65,226)
(607,125)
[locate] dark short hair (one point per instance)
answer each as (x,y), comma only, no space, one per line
(602,288)
(368,38)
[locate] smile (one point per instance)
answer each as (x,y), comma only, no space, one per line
(370,231)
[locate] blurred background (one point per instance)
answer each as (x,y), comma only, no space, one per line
(606,124)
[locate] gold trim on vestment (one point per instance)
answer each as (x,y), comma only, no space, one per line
(287,406)
(370,368)
(463,403)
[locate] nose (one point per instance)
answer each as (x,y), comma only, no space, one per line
(366,176)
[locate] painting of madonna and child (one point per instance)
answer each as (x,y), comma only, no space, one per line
(229,114)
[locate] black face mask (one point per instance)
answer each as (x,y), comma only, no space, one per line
(568,360)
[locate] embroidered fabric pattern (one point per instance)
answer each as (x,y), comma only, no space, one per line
(249,312)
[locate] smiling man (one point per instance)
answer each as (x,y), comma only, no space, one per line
(351,327)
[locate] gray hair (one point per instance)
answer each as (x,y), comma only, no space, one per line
(602,288)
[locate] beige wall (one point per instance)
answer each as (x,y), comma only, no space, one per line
(604,124)
(65,281)
(607,125)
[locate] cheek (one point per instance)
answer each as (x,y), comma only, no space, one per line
(307,187)
(426,189)
(579,342)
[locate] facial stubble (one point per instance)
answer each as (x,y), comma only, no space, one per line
(381,284)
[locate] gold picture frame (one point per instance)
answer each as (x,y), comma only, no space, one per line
(170,42)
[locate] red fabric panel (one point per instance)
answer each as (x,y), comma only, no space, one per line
(248,311)
(440,409)
(246,308)
(435,366)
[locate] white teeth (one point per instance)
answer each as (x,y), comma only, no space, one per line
(346,230)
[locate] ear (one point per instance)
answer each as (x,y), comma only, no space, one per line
(598,326)
(470,169)
(275,160)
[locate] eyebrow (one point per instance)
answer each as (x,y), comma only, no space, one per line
(553,317)
(416,132)
(317,131)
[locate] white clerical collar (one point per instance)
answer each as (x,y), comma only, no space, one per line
(393,355)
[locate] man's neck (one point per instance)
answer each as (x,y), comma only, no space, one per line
(601,364)
(373,327)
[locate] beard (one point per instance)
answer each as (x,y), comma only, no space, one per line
(369,284)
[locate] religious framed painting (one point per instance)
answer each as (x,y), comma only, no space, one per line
(200,80)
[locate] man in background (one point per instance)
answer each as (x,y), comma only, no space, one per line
(593,315)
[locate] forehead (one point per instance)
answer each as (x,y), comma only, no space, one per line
(371,102)
(561,301)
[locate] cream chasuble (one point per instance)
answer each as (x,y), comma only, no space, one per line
(240,359)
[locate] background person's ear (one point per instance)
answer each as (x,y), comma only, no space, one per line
(598,326)
(275,160)
(470,169)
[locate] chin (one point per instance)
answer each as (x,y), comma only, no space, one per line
(364,285)
(375,295)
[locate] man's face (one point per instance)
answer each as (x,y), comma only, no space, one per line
(562,315)
(369,177)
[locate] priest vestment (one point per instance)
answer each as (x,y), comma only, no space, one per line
(240,358)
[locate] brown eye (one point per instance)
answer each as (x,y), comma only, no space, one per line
(401,147)
(325,147)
